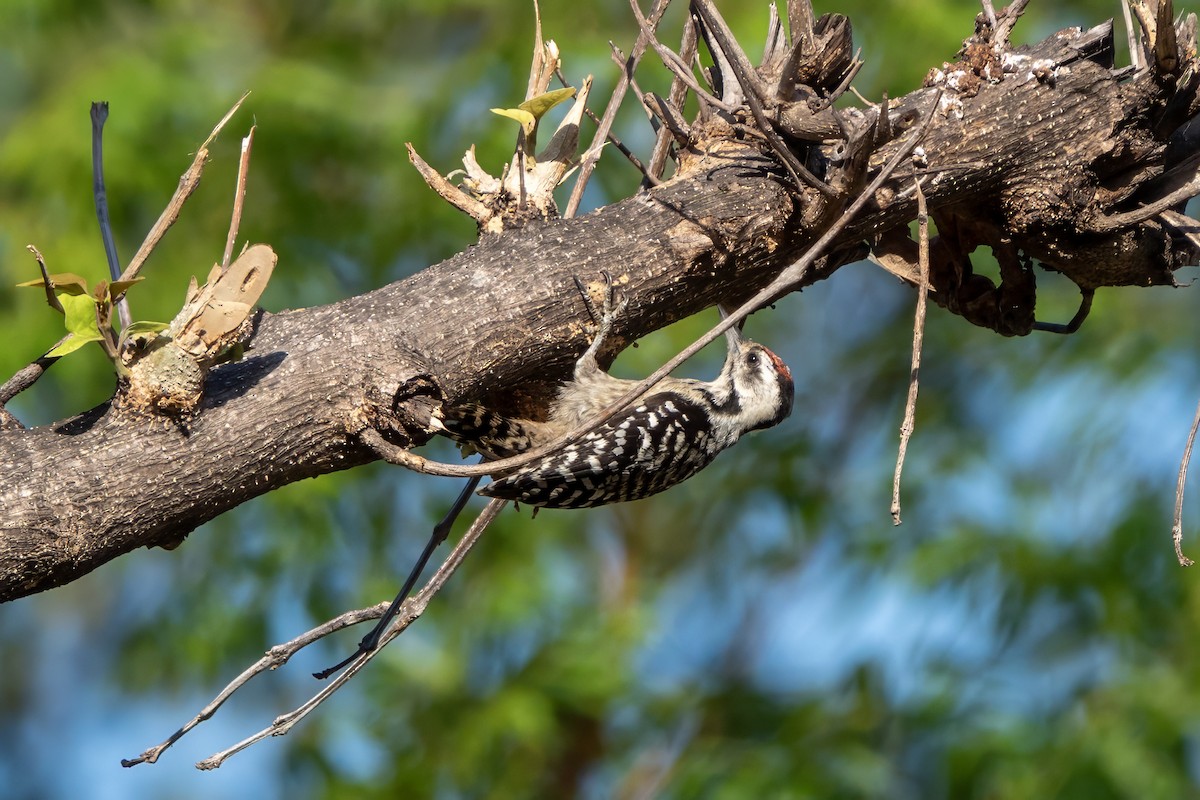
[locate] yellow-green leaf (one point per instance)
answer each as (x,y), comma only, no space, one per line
(117,288)
(80,311)
(538,106)
(519,114)
(63,283)
(68,345)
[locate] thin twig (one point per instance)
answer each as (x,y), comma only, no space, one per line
(1007,21)
(1126,219)
(239,196)
(865,101)
(989,12)
(51,297)
(855,67)
(617,143)
(1131,37)
(672,122)
(411,612)
(790,277)
(675,101)
(1177,524)
(910,405)
(274,658)
(523,144)
(446,190)
(100,195)
(439,534)
(681,69)
(280,654)
(28,375)
(187,184)
(645,36)
(618,58)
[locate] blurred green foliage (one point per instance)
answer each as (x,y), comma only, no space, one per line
(760,631)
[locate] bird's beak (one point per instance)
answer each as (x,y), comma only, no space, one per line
(734,334)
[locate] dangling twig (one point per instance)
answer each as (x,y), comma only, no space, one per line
(1180,481)
(278,655)
(910,405)
(439,534)
(1086,295)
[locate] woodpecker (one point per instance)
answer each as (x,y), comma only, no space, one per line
(664,437)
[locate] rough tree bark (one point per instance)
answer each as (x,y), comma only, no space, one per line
(1040,153)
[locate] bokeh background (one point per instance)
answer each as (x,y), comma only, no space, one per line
(761,631)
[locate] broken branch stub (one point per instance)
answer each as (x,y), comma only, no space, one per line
(164,373)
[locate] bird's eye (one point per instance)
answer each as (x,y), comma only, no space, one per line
(752,359)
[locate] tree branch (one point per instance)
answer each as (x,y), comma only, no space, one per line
(998,168)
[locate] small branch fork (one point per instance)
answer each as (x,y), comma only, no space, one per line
(279,655)
(28,375)
(187,184)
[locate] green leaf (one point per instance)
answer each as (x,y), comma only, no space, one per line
(538,106)
(80,311)
(62,282)
(143,327)
(69,345)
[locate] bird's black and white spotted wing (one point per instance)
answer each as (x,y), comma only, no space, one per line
(670,439)
(487,431)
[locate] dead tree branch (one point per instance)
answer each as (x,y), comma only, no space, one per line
(999,171)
